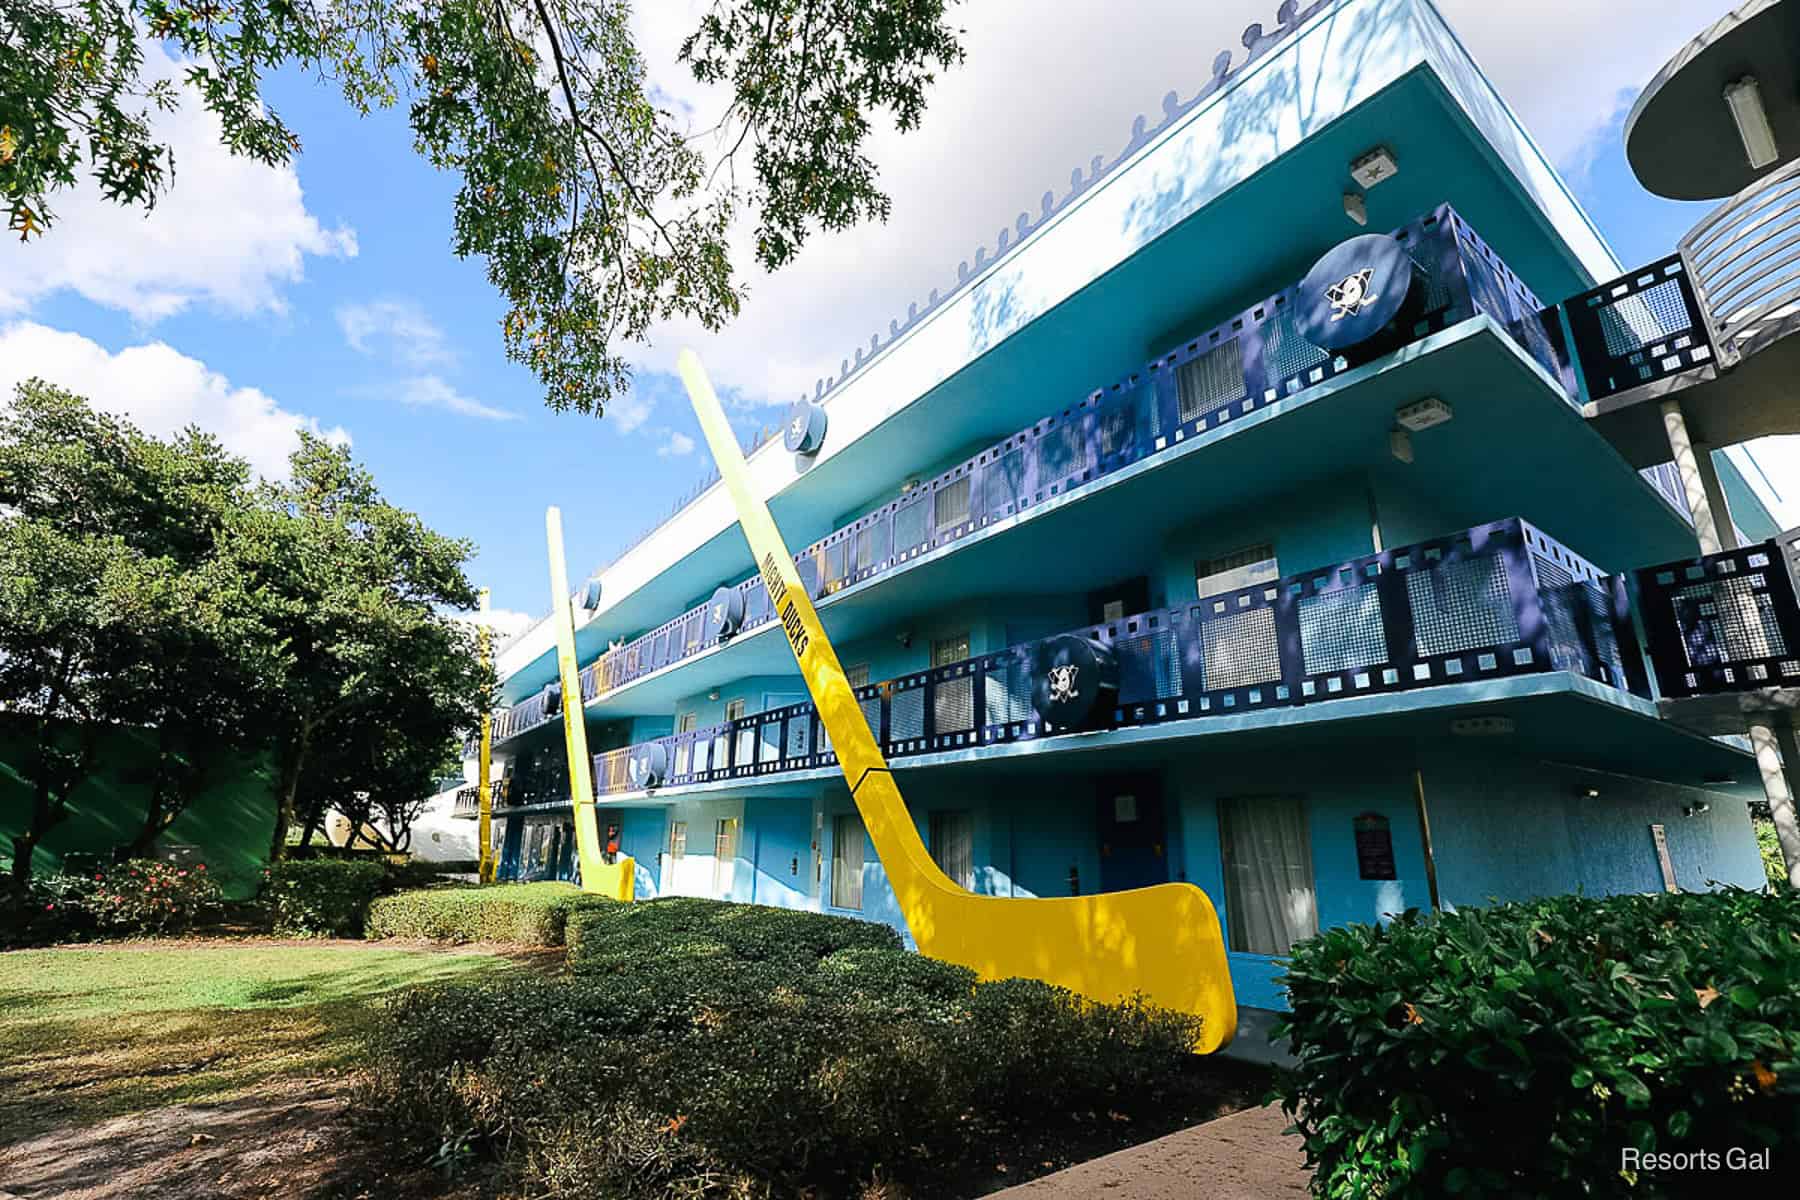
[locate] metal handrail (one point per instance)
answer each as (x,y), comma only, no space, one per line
(1743,263)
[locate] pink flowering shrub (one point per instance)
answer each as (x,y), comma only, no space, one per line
(145,896)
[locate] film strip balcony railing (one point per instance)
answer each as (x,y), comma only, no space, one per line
(1638,329)
(1245,364)
(1726,622)
(468,800)
(1498,600)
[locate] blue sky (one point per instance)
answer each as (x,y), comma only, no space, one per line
(327,295)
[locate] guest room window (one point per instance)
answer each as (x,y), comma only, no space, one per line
(1269,899)
(847,838)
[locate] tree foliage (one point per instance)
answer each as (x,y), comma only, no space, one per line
(146,582)
(598,210)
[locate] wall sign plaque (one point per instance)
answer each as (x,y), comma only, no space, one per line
(1374,847)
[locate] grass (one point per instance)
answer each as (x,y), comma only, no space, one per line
(98,1031)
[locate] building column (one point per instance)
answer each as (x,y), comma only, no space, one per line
(1715,532)
(1778,785)
(1699,481)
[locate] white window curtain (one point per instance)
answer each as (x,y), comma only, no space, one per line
(1269,898)
(953,846)
(847,838)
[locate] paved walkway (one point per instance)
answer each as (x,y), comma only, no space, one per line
(1241,1157)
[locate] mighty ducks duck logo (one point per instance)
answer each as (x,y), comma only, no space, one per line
(1351,294)
(1062,683)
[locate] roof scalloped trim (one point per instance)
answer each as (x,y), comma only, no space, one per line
(1256,44)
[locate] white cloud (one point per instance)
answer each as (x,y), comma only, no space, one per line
(398,328)
(160,390)
(505,622)
(678,444)
(231,232)
(430,391)
(1021,112)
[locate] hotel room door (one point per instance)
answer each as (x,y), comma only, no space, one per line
(1134,833)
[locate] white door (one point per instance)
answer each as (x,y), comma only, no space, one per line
(700,857)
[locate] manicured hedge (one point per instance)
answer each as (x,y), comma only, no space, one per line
(321,897)
(1520,1050)
(624,936)
(531,914)
(731,1066)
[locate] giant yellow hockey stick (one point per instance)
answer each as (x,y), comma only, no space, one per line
(1162,941)
(615,879)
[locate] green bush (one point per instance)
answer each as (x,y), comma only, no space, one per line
(530,914)
(1519,1050)
(1769,845)
(321,897)
(735,1066)
(625,936)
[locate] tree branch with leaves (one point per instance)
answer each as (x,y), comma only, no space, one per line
(600,214)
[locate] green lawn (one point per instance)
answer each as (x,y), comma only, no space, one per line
(95,1031)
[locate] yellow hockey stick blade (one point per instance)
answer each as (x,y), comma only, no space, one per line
(1162,942)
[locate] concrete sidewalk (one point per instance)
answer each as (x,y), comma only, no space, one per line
(1241,1157)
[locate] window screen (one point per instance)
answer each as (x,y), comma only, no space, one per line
(945,651)
(1239,569)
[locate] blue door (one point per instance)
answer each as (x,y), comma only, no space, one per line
(1134,833)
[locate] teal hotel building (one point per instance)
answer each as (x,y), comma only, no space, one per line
(1281,505)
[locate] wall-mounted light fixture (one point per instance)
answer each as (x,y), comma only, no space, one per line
(1696,809)
(1373,167)
(1356,208)
(1744,98)
(1423,414)
(713,695)
(1587,793)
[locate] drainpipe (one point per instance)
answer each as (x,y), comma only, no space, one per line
(1431,882)
(1714,530)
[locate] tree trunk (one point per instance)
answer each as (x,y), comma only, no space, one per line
(311,827)
(287,785)
(51,785)
(159,814)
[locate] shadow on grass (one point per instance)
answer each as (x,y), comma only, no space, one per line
(87,1069)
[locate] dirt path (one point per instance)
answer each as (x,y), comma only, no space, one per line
(1241,1157)
(283,1140)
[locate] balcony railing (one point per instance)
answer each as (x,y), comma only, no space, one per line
(1726,622)
(1745,263)
(1638,329)
(1243,365)
(468,800)
(1498,600)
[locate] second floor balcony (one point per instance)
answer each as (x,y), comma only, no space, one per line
(1496,602)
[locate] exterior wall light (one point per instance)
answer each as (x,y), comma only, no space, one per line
(1699,808)
(1423,414)
(1356,208)
(1744,98)
(1373,167)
